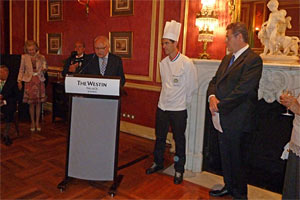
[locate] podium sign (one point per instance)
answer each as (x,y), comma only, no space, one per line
(92,86)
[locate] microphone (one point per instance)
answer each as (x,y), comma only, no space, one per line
(84,67)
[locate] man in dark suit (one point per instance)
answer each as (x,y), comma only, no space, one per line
(233,95)
(8,101)
(76,61)
(103,62)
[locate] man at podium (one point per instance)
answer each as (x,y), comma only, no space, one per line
(103,62)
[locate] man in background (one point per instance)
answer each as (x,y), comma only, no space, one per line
(76,61)
(179,81)
(8,101)
(232,97)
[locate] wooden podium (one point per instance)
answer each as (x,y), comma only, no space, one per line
(94,126)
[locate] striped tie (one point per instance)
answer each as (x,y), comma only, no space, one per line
(103,66)
(2,83)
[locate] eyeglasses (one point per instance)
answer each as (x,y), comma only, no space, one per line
(100,48)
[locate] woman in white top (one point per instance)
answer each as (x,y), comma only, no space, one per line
(291,188)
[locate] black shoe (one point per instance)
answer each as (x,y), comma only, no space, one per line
(154,168)
(219,193)
(178,178)
(7,141)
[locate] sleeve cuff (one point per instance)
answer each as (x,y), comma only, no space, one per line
(212,95)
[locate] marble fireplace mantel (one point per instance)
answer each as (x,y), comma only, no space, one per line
(275,78)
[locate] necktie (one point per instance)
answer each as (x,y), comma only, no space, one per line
(2,83)
(103,66)
(231,61)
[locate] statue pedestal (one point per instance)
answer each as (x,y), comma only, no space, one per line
(280,59)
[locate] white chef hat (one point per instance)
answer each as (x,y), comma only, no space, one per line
(172,30)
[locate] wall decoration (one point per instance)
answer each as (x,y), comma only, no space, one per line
(121,7)
(121,44)
(54,10)
(54,43)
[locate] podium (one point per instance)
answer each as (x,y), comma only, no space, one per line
(94,126)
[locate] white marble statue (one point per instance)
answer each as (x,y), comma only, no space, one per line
(277,46)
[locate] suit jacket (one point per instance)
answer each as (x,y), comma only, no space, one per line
(26,69)
(237,89)
(68,63)
(10,93)
(114,66)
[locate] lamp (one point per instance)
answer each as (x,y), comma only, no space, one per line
(86,4)
(206,21)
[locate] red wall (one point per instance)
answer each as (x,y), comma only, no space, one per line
(142,104)
(18,30)
(76,25)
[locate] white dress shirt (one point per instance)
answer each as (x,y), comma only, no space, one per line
(239,52)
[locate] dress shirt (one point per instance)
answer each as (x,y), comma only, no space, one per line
(240,52)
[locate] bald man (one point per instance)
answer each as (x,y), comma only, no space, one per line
(103,62)
(77,59)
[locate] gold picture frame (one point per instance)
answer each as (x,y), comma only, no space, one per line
(54,10)
(234,10)
(121,7)
(54,43)
(121,43)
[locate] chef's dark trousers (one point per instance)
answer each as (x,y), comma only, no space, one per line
(177,121)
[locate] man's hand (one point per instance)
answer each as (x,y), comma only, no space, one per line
(73,67)
(213,105)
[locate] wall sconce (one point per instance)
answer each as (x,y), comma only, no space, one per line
(206,21)
(256,30)
(86,4)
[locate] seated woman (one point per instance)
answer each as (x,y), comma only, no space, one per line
(8,101)
(291,188)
